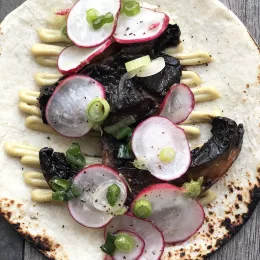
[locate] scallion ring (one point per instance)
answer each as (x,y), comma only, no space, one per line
(58,184)
(98,110)
(131,8)
(91,15)
(59,196)
(123,133)
(108,18)
(98,23)
(124,243)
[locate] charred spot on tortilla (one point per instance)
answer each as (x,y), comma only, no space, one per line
(55,164)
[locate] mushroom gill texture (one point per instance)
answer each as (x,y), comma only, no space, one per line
(211,161)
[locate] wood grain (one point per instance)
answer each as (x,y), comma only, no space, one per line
(245,245)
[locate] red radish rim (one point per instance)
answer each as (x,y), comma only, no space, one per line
(113,31)
(147,220)
(175,126)
(173,187)
(165,24)
(60,86)
(82,172)
(85,62)
(169,93)
(136,235)
(63,12)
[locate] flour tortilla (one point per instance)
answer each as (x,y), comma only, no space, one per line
(206,25)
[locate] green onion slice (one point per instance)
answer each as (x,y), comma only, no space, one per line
(75,157)
(142,208)
(58,184)
(98,23)
(113,129)
(167,155)
(59,196)
(123,133)
(108,18)
(98,110)
(125,152)
(113,193)
(91,15)
(137,63)
(75,191)
(124,243)
(109,246)
(131,8)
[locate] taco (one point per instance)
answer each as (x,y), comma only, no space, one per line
(138,133)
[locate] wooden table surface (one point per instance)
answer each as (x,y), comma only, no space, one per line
(245,245)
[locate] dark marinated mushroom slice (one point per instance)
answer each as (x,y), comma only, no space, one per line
(216,156)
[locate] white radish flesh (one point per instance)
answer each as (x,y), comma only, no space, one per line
(178,103)
(153,68)
(73,58)
(151,137)
(177,217)
(100,199)
(81,32)
(154,243)
(66,109)
(137,250)
(82,209)
(145,26)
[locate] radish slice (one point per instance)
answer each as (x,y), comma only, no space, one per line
(153,68)
(81,32)
(66,109)
(82,209)
(178,103)
(154,243)
(177,217)
(136,252)
(100,200)
(151,137)
(143,27)
(73,58)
